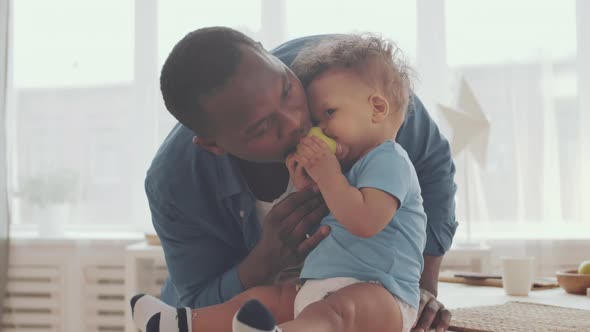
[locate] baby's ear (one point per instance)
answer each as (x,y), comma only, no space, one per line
(380,107)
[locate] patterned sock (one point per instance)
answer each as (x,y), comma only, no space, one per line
(253,316)
(153,315)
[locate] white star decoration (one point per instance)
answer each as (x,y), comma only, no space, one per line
(470,126)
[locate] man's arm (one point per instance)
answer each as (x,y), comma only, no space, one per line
(431,155)
(284,242)
(209,265)
(203,270)
(429,280)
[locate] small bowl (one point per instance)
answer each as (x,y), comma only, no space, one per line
(572,282)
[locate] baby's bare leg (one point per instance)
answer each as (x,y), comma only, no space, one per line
(278,299)
(358,307)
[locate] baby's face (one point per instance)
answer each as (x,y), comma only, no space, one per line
(339,102)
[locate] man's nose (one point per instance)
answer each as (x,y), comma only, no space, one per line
(294,125)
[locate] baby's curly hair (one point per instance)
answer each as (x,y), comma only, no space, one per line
(377,60)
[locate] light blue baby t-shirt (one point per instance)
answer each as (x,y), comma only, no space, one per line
(392,257)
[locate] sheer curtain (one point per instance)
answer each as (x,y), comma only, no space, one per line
(81,127)
(86,116)
(527,66)
(3,187)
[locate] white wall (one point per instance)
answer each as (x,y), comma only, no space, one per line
(3,171)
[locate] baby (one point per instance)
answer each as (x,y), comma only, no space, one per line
(358,93)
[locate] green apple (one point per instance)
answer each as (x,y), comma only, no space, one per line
(317,132)
(584,268)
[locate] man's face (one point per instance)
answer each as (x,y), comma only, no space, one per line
(261,113)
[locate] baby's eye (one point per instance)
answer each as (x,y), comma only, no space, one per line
(329,111)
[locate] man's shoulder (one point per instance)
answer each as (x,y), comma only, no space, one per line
(179,163)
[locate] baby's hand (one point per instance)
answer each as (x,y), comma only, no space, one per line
(299,176)
(317,159)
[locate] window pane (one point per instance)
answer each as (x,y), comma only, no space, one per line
(519,58)
(72,43)
(499,31)
(179,17)
(394,19)
(73,112)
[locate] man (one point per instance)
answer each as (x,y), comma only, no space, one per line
(244,110)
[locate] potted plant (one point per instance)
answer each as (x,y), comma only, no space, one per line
(51,195)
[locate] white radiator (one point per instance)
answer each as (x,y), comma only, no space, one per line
(33,301)
(104,298)
(64,286)
(79,286)
(146,272)
(104,289)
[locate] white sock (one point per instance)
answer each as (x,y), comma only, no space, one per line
(153,315)
(178,321)
(144,306)
(253,316)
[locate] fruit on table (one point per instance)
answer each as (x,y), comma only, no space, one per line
(584,267)
(317,132)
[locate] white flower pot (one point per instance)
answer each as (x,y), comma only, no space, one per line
(52,219)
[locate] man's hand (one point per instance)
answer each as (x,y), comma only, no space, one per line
(287,237)
(431,314)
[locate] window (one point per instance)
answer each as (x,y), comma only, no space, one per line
(504,31)
(85,115)
(176,18)
(68,43)
(395,20)
(520,59)
(71,101)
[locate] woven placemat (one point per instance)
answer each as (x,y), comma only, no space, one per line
(520,317)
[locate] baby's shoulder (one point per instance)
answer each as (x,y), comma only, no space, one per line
(389,152)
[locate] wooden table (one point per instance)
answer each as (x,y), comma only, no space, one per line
(460,296)
(463,296)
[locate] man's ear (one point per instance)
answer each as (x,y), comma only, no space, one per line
(380,107)
(209,145)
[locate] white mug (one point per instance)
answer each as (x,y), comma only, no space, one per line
(517,275)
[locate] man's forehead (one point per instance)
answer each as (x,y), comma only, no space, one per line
(257,78)
(251,91)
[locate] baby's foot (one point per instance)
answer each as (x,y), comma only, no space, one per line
(253,316)
(153,315)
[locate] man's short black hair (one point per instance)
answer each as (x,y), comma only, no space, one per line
(201,63)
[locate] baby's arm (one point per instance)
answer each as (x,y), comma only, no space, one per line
(363,212)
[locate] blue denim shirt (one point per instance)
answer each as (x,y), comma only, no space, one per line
(205,215)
